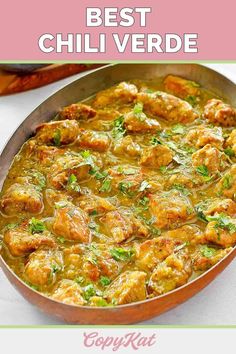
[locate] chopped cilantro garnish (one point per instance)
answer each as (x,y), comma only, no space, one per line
(129,171)
(227,182)
(61,239)
(88,158)
(149,91)
(230,152)
(40,179)
(178,129)
(154,230)
(101,302)
(72,184)
(223,222)
(36,226)
(193,84)
(204,172)
(106,185)
(79,280)
(181,188)
(155,141)
(121,254)
(55,268)
(207,252)
(89,291)
(191,100)
(144,202)
(93,226)
(93,213)
(118,128)
(104,281)
(163,169)
(57,137)
(138,111)
(61,204)
(124,187)
(98,174)
(11,226)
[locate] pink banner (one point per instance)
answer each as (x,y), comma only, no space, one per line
(117,30)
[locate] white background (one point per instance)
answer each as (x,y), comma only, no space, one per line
(215,305)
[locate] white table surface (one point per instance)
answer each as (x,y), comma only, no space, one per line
(215,305)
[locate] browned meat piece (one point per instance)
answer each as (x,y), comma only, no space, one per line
(126,179)
(72,224)
(69,164)
(43,266)
(93,261)
(58,133)
(173,272)
(21,242)
(170,209)
(21,198)
(220,113)
(201,136)
(222,232)
(188,234)
(123,225)
(93,204)
(218,206)
(156,156)
(227,184)
(69,292)
(128,287)
(47,154)
(181,87)
(101,264)
(231,141)
(123,93)
(107,114)
(151,252)
(183,178)
(210,157)
(205,257)
(171,108)
(127,146)
(53,197)
(143,124)
(77,111)
(97,141)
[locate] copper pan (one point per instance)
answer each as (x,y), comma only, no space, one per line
(79,90)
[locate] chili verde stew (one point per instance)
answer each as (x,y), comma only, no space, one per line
(125,196)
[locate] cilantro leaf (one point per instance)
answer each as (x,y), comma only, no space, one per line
(204,172)
(57,137)
(229,152)
(121,254)
(72,184)
(36,226)
(208,252)
(178,129)
(138,111)
(89,291)
(104,281)
(223,222)
(118,128)
(106,185)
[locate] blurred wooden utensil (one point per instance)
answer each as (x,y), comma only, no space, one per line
(13,82)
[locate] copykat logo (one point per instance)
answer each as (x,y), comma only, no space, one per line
(134,340)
